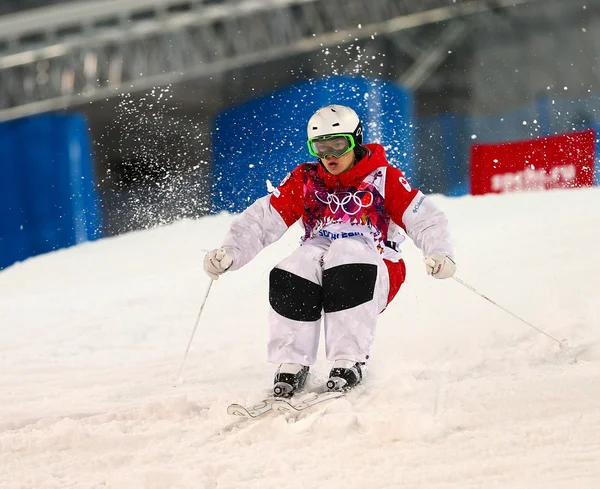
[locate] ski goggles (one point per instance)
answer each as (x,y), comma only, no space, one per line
(335,145)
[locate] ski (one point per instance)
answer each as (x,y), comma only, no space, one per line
(282,405)
(254,411)
(287,405)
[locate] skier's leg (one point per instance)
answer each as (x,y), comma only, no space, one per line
(355,291)
(296,299)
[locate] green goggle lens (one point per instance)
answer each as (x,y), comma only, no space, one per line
(335,145)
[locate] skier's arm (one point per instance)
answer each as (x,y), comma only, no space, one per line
(265,221)
(428,226)
(420,218)
(254,229)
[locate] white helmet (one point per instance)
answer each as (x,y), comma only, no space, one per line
(335,119)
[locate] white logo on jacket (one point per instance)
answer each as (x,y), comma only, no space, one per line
(341,200)
(405,184)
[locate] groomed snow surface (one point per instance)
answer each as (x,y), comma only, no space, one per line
(459,394)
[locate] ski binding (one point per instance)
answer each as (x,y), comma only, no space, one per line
(286,405)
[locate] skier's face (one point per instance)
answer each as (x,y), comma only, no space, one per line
(335,166)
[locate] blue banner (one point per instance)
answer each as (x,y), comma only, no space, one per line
(265,138)
(48,198)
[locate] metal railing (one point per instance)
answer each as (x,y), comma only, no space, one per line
(67,55)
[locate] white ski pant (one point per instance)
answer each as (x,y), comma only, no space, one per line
(344,281)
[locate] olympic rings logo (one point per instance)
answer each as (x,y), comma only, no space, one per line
(350,202)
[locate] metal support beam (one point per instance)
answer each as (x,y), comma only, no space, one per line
(428,61)
(52,64)
(406,44)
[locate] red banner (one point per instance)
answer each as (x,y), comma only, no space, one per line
(563,161)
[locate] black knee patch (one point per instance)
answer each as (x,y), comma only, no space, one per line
(347,286)
(294,297)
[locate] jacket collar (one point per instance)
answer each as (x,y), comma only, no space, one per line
(374,158)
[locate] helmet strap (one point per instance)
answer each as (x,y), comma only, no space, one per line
(359,152)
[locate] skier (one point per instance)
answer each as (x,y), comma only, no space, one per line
(348,266)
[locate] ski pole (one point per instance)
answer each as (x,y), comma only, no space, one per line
(179,379)
(561,344)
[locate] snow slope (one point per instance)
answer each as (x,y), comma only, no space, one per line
(459,394)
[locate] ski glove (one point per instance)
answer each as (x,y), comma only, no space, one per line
(440,265)
(216,262)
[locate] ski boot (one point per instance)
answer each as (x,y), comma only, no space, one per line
(289,378)
(345,374)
